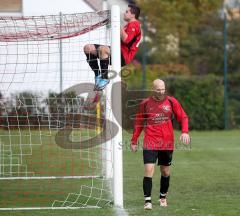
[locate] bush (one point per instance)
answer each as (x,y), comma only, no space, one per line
(202,99)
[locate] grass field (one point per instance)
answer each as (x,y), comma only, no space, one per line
(204,180)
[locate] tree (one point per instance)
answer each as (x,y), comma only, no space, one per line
(28,102)
(198,26)
(234,45)
(61,103)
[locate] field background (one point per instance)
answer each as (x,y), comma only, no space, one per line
(204,181)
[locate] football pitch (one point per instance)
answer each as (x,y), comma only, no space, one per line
(205,180)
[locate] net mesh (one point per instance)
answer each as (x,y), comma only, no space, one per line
(49,129)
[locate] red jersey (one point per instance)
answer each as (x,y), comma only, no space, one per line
(129,47)
(158,128)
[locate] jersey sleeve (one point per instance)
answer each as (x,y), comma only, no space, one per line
(132,31)
(138,123)
(180,114)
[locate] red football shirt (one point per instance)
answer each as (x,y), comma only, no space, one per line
(129,47)
(158,128)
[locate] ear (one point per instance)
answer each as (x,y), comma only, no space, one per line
(132,15)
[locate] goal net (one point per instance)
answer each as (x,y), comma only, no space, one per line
(57,137)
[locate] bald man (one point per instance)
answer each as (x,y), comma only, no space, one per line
(155,117)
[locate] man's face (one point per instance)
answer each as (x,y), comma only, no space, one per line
(128,15)
(159,92)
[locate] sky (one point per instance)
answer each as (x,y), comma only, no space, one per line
(35,65)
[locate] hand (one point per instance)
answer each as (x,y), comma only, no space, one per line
(185,138)
(133,148)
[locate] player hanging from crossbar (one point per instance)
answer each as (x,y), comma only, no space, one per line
(130,38)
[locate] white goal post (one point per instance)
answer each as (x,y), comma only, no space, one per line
(117,106)
(32,164)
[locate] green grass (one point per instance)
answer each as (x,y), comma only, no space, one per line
(204,181)
(35,153)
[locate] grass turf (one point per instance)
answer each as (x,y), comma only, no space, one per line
(204,180)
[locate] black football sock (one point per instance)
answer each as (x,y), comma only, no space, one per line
(93,63)
(164,185)
(104,67)
(147,188)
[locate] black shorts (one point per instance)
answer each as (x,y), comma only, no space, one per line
(164,157)
(122,58)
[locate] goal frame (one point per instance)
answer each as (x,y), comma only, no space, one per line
(114,171)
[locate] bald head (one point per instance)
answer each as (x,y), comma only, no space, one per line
(158,89)
(158,85)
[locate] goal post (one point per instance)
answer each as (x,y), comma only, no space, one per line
(47,136)
(117,106)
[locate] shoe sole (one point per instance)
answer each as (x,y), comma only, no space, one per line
(100,89)
(163,205)
(147,208)
(96,88)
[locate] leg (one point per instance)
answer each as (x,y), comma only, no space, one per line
(90,49)
(164,160)
(149,158)
(147,184)
(91,54)
(165,170)
(164,182)
(104,54)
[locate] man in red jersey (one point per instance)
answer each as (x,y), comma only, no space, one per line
(130,38)
(158,144)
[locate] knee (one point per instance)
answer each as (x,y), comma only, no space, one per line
(165,174)
(165,171)
(103,50)
(88,48)
(149,172)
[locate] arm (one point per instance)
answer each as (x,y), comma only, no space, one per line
(180,114)
(124,35)
(129,33)
(138,126)
(182,119)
